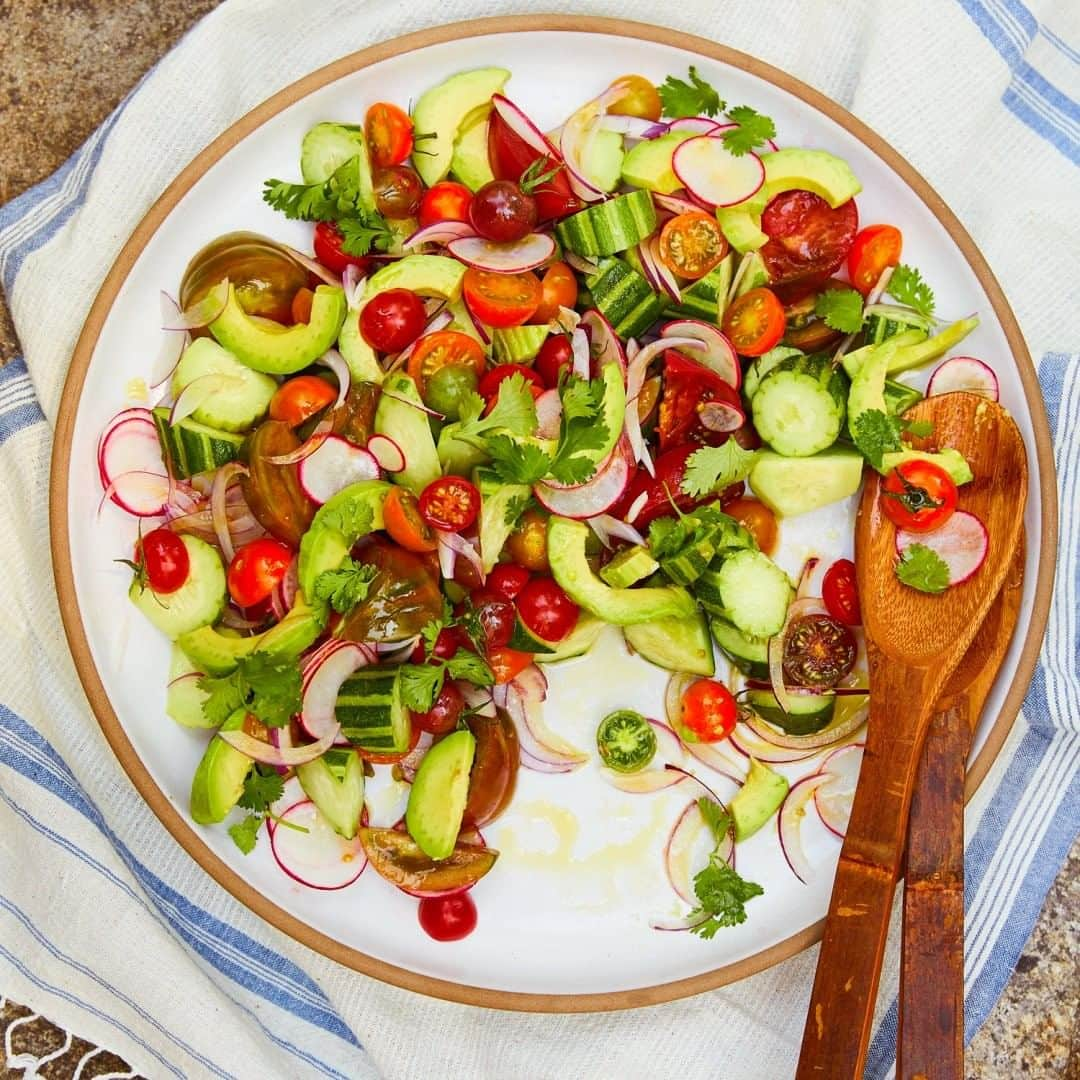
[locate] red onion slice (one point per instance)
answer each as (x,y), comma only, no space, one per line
(415,404)
(323,681)
(801,606)
(205,311)
(336,363)
(173,344)
(604,343)
(266,754)
(463,548)
(636,507)
(441,232)
(713,756)
(199,391)
(688,848)
(643,783)
(352,283)
(606,526)
(669,748)
(789,825)
(835,798)
(572,141)
(411,761)
(747,743)
(635,127)
(584,264)
(313,266)
(439,320)
(218,512)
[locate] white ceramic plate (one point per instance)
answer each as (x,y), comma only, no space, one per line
(566,909)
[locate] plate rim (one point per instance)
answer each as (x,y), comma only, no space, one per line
(71,615)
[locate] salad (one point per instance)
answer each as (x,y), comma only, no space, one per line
(529,386)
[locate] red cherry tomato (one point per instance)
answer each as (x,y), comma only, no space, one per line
(507,664)
(502,212)
(392,320)
(300,398)
(507,579)
(444,714)
(555,357)
(664,489)
(450,503)
(327,247)
(919,496)
(256,569)
(875,248)
(808,240)
(687,386)
(490,383)
(164,559)
(708,711)
(447,918)
(404,524)
(841,594)
(502,300)
(560,290)
(389,134)
(546,609)
(510,155)
(450,639)
(755,322)
(445,201)
(496,616)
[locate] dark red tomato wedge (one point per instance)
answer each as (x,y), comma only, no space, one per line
(687,387)
(818,652)
(808,240)
(510,156)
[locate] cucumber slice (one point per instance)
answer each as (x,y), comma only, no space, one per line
(198,602)
(577,643)
(518,344)
(800,406)
(327,146)
(809,712)
(183,698)
(190,447)
(675,644)
(749,655)
(370,711)
(235,409)
(763,365)
(608,227)
(705,298)
(793,486)
(524,640)
(883,321)
(623,297)
(335,784)
(755,593)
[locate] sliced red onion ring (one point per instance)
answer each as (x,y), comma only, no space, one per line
(352,283)
(668,282)
(747,743)
(789,824)
(316,656)
(415,404)
(447,558)
(635,127)
(712,755)
(266,754)
(218,512)
(441,232)
(669,747)
(439,320)
(604,343)
(643,783)
(317,857)
(198,391)
(829,736)
(579,345)
(523,127)
(173,344)
(612,526)
(835,798)
(290,584)
(801,606)
(636,507)
(482,331)
(575,134)
(584,264)
(463,549)
(323,682)
(675,204)
(142,494)
(205,311)
(336,363)
(688,848)
(313,266)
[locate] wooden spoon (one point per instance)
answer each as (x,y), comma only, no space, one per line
(914,641)
(931,1035)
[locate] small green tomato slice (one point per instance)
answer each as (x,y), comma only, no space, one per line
(626,741)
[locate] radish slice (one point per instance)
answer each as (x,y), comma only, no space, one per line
(718,354)
(523,127)
(579,348)
(966,374)
(386,452)
(749,745)
(700,125)
(834,799)
(789,824)
(323,681)
(962,542)
(333,466)
(548,414)
(197,392)
(710,172)
(688,849)
(129,446)
(514,258)
(604,345)
(318,858)
(596,496)
(143,494)
(721,416)
(441,232)
(205,311)
(263,752)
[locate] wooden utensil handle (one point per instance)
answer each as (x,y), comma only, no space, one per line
(931,1029)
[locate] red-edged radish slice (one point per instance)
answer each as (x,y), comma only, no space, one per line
(597,495)
(267,754)
(789,824)
(722,416)
(548,414)
(386,452)
(318,858)
(523,127)
(205,311)
(441,232)
(700,125)
(748,744)
(966,374)
(710,172)
(718,354)
(688,849)
(322,681)
(198,391)
(834,799)
(604,345)
(962,543)
(129,446)
(142,494)
(525,254)
(334,465)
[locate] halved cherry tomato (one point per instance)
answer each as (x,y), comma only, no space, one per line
(804,330)
(450,503)
(919,496)
(546,610)
(256,569)
(391,759)
(164,559)
(300,398)
(687,386)
(708,711)
(758,519)
(560,289)
(508,664)
(841,593)
(555,357)
(327,247)
(808,239)
(527,544)
(300,308)
(392,319)
(447,918)
(874,248)
(441,349)
(398,192)
(510,155)
(508,579)
(445,201)
(691,244)
(444,713)
(490,383)
(637,97)
(502,300)
(389,134)
(402,520)
(818,652)
(495,615)
(755,322)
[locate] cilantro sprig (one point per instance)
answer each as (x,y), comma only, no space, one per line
(753,130)
(346,586)
(876,434)
(420,684)
(266,686)
(695,97)
(262,788)
(924,569)
(721,892)
(841,309)
(514,411)
(907,286)
(713,468)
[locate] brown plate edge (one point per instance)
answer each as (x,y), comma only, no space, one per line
(171,818)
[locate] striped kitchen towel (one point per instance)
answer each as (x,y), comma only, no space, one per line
(107,926)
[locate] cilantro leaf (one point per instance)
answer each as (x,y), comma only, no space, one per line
(353,519)
(517,462)
(470,667)
(245,833)
(515,507)
(753,130)
(716,817)
(907,286)
(275,686)
(334,199)
(419,685)
(875,434)
(842,309)
(261,790)
(713,468)
(721,895)
(514,411)
(429,634)
(693,98)
(346,586)
(582,430)
(224,695)
(366,231)
(923,568)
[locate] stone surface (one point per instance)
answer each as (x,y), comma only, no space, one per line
(66,66)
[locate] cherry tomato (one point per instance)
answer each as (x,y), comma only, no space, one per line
(808,240)
(507,579)
(527,544)
(637,97)
(391,759)
(546,609)
(448,388)
(447,918)
(502,212)
(560,289)
(300,309)
(444,714)
(663,489)
(450,639)
(874,248)
(804,330)
(450,503)
(919,496)
(442,349)
(496,615)
(818,652)
(502,300)
(510,155)
(327,246)
(756,517)
(840,592)
(300,398)
(256,569)
(389,134)
(490,383)
(507,664)
(403,522)
(688,386)
(392,320)
(708,711)
(445,201)
(165,560)
(555,357)
(692,244)
(755,322)
(398,192)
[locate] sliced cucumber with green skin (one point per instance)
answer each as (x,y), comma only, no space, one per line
(608,227)
(190,447)
(198,602)
(800,406)
(690,563)
(755,593)
(371,713)
(335,784)
(674,644)
(183,698)
(626,741)
(623,296)
(761,367)
(524,640)
(327,146)
(518,344)
(239,406)
(882,321)
(577,643)
(748,655)
(628,567)
(792,486)
(808,714)
(705,298)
